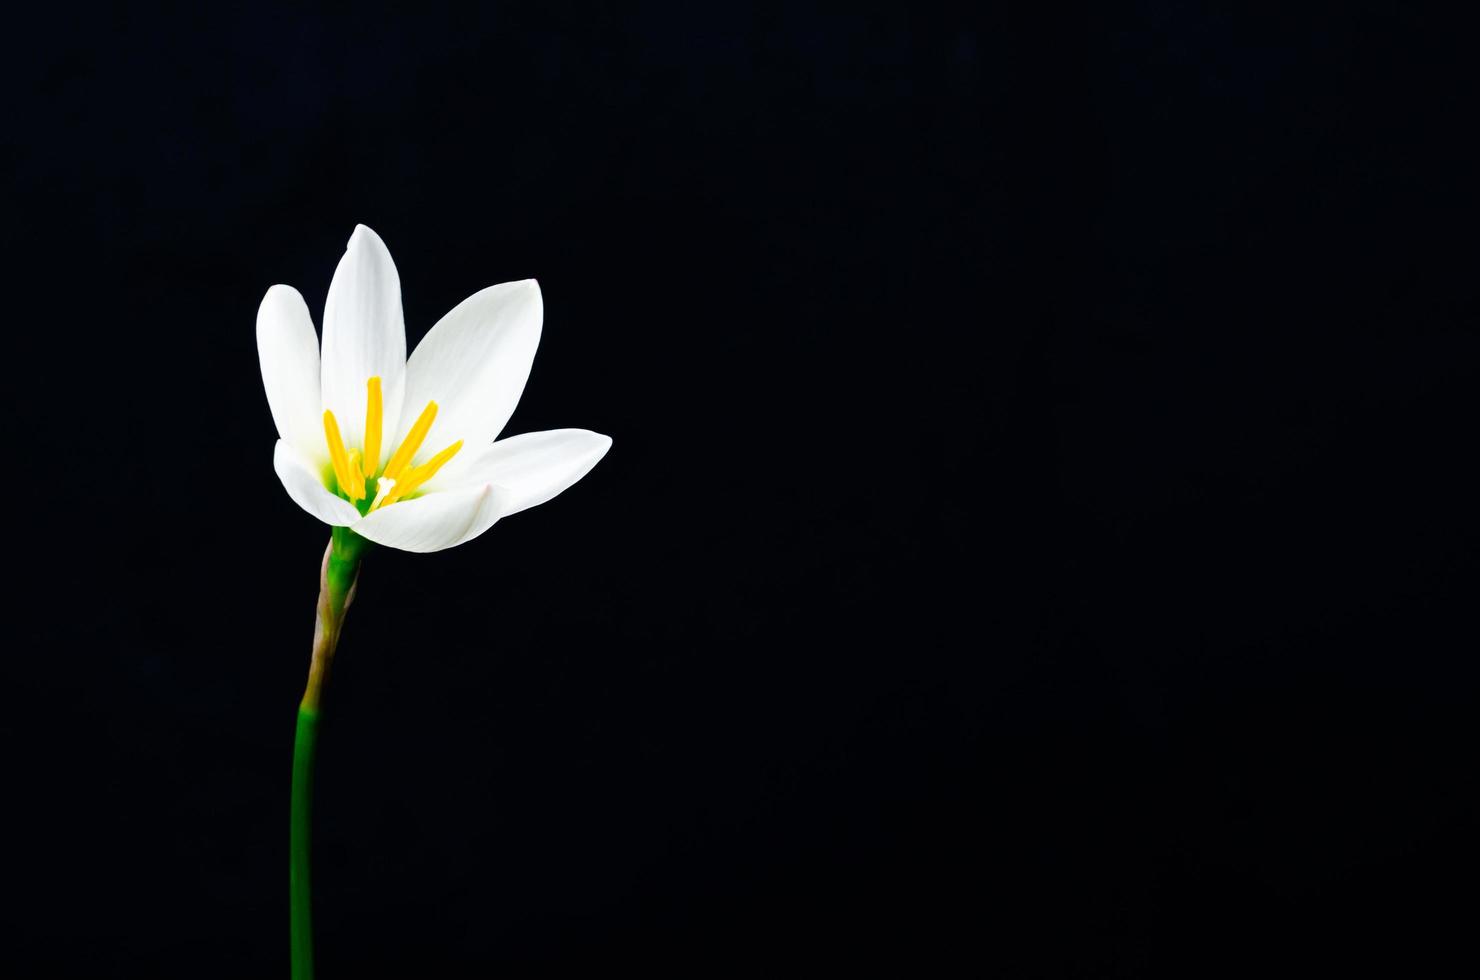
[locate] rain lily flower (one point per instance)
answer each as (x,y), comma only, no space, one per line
(399,451)
(395,451)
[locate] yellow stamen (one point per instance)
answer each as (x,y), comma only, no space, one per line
(421,474)
(357,479)
(412,442)
(337,454)
(372,427)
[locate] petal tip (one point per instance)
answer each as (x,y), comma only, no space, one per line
(363,233)
(277,294)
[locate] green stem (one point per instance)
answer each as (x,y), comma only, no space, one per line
(337,578)
(300,932)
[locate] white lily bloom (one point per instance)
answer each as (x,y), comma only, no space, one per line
(399,451)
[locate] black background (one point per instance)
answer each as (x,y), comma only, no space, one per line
(1040,534)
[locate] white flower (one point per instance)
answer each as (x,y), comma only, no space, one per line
(402,452)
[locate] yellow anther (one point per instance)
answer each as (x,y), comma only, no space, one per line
(337,455)
(356,490)
(373,415)
(413,480)
(412,442)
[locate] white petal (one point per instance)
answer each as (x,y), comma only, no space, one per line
(307,489)
(473,364)
(435,521)
(288,350)
(364,336)
(535,466)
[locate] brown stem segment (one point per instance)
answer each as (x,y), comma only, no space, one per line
(338,575)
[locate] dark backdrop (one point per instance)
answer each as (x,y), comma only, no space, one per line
(1039,534)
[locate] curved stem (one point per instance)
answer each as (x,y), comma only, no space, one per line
(337,578)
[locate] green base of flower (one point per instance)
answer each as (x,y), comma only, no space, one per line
(346,548)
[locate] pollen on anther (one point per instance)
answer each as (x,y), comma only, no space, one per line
(413,480)
(374,414)
(356,489)
(412,442)
(337,456)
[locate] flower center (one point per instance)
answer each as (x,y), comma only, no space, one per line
(355,471)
